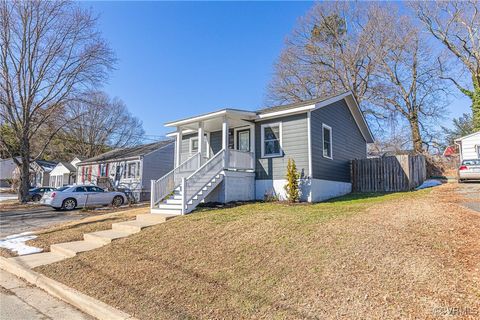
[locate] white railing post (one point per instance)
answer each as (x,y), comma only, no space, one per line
(152,193)
(184,195)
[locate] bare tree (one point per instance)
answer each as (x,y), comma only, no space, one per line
(325,53)
(408,81)
(456,24)
(50,51)
(100,123)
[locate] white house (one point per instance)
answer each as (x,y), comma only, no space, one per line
(7,166)
(64,173)
(469,146)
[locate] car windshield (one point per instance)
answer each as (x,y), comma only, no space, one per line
(473,162)
(62,189)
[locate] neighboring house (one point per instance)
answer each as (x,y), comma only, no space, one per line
(131,168)
(64,173)
(39,173)
(243,154)
(7,166)
(469,146)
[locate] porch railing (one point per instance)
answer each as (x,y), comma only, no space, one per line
(240,160)
(201,177)
(165,185)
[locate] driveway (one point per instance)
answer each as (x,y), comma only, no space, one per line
(18,220)
(470,192)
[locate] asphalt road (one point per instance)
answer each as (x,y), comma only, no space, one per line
(19,220)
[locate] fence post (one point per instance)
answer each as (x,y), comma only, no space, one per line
(184,191)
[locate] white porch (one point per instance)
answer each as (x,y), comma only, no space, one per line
(202,162)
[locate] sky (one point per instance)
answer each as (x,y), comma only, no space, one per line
(179,59)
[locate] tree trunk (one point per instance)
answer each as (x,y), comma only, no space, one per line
(416,137)
(24,170)
(476,104)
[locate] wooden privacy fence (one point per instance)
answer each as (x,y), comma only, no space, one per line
(396,173)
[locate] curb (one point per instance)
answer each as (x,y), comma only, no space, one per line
(87,304)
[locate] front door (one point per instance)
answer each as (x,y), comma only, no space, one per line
(243,140)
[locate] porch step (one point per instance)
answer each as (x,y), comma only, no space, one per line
(70,249)
(170,206)
(38,259)
(105,236)
(132,226)
(173,201)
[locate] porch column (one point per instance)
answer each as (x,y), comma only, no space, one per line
(200,138)
(252,144)
(178,147)
(225,139)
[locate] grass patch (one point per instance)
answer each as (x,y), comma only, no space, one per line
(355,256)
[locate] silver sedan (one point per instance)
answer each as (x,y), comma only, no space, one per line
(469,170)
(81,196)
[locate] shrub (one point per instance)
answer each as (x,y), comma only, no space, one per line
(291,188)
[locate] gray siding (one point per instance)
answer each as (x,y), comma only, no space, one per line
(294,145)
(156,164)
(347,142)
(185,147)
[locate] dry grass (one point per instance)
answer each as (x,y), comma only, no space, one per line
(73,231)
(406,255)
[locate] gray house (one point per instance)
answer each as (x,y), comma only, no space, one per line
(237,155)
(131,168)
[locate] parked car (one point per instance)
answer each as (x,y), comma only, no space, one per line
(81,196)
(36,194)
(469,170)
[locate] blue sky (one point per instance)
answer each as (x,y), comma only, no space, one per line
(177,59)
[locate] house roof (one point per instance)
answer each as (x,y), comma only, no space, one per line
(298,104)
(467,136)
(124,153)
(46,166)
(69,166)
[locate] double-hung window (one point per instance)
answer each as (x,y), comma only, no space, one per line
(132,170)
(327,141)
(271,140)
(193,145)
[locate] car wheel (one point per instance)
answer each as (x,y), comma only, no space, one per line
(117,201)
(36,198)
(69,204)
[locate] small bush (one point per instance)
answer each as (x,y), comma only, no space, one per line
(291,188)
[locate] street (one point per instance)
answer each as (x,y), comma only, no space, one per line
(14,221)
(470,192)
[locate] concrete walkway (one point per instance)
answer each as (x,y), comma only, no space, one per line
(18,300)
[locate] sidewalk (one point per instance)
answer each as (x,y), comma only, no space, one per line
(18,300)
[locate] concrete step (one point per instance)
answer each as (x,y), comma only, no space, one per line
(39,259)
(132,226)
(70,249)
(172,213)
(160,218)
(105,236)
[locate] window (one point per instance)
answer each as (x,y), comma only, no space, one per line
(327,141)
(271,140)
(243,140)
(79,189)
(194,145)
(132,170)
(94,189)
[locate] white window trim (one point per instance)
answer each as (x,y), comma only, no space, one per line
(262,135)
(190,147)
(331,140)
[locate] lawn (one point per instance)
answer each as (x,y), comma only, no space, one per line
(370,256)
